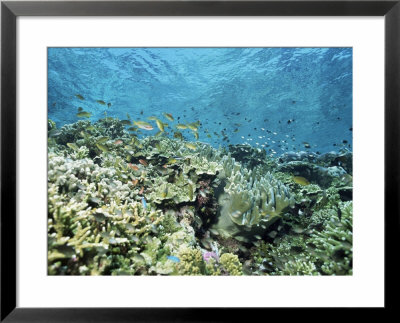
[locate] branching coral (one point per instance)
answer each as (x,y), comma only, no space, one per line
(326,251)
(286,256)
(334,245)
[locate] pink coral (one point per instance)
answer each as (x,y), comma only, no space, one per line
(210,254)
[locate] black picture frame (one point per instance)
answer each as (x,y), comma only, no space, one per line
(10,10)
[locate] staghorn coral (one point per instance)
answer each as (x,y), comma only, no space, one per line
(288,255)
(270,258)
(299,267)
(334,244)
(94,221)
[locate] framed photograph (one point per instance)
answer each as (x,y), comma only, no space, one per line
(163,158)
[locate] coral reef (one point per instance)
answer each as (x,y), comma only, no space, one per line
(249,156)
(323,176)
(120,203)
(320,246)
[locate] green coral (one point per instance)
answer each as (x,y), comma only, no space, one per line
(92,214)
(231,264)
(212,268)
(324,247)
(51,125)
(288,255)
(81,153)
(152,249)
(251,203)
(178,240)
(200,166)
(299,267)
(191,262)
(179,191)
(334,245)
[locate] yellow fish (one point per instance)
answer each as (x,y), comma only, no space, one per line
(192,126)
(102,139)
(143,162)
(72,146)
(191,146)
(80,97)
(143,125)
(165,192)
(190,187)
(300,180)
(178,135)
(181,126)
(134,167)
(84,114)
(102,147)
(171,161)
(168,116)
(160,125)
(84,135)
(101,102)
(196,135)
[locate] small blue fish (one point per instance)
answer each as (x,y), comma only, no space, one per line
(173,258)
(144,203)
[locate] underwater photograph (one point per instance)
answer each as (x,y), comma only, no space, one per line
(200,161)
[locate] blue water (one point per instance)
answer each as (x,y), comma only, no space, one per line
(281,97)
